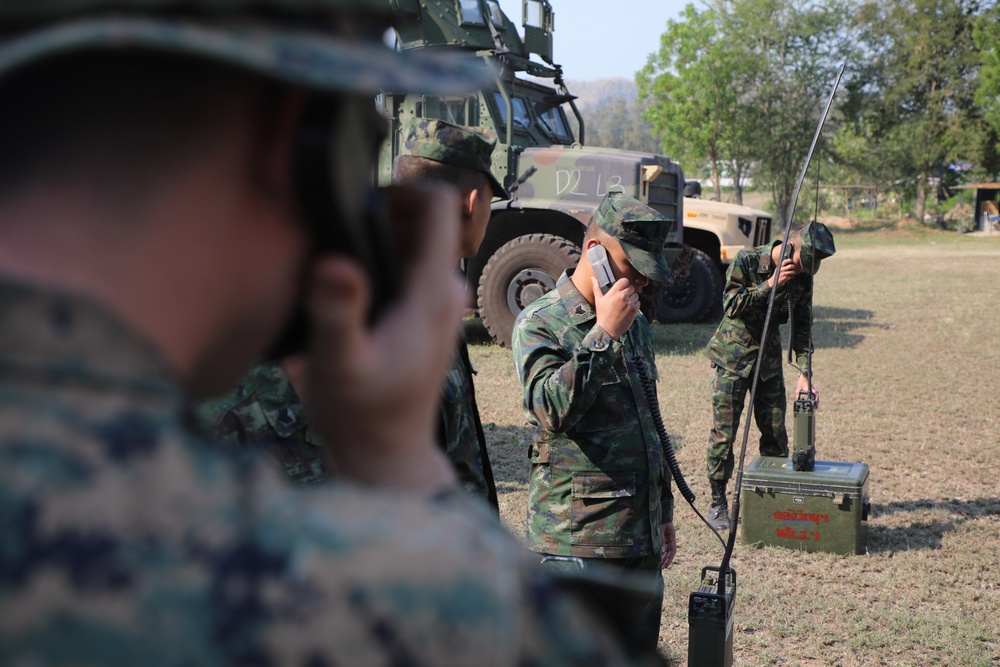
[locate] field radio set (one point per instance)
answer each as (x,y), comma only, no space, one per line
(797,502)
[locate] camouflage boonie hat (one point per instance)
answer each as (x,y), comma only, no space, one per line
(450,144)
(325,45)
(641,230)
(817,245)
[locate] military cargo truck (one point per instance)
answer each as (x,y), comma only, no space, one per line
(555,180)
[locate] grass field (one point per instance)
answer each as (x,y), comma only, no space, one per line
(907,338)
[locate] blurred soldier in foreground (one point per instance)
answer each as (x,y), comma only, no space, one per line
(599,488)
(434,151)
(734,348)
(153,243)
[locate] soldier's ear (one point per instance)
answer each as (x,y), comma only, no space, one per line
(469,198)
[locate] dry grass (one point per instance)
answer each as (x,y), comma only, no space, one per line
(907,339)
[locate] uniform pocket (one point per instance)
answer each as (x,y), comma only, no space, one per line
(612,408)
(603,509)
(734,349)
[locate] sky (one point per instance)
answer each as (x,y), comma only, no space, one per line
(596,39)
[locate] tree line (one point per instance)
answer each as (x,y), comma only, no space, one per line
(737,87)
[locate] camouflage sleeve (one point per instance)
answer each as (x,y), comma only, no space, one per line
(560,385)
(802,327)
(741,294)
(667,501)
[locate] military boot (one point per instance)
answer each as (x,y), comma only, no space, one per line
(718,511)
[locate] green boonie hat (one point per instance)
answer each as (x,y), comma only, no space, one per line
(450,144)
(817,245)
(325,45)
(641,230)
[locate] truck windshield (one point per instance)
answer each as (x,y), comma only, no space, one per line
(472,12)
(521,116)
(554,121)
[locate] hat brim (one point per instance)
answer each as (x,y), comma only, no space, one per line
(809,264)
(499,191)
(650,264)
(315,60)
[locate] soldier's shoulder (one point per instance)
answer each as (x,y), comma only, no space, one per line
(421,563)
(752,254)
(546,308)
(240,401)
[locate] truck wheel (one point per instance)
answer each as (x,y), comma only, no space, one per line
(695,295)
(519,272)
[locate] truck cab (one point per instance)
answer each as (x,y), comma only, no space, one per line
(555,180)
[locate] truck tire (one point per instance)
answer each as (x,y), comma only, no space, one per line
(695,296)
(519,272)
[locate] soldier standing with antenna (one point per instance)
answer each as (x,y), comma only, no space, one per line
(735,347)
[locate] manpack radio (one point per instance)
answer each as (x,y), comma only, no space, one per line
(791,502)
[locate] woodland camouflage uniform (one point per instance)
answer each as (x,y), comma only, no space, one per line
(264,411)
(735,346)
(462,147)
(129,540)
(598,485)
(460,431)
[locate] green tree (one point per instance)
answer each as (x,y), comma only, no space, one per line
(921,115)
(741,84)
(986,35)
(692,88)
(791,51)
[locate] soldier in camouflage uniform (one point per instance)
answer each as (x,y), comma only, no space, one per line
(734,348)
(599,488)
(438,151)
(151,245)
(265,410)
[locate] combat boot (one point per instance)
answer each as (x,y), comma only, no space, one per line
(718,511)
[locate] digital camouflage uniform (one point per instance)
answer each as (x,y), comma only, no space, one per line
(264,411)
(735,346)
(128,540)
(598,487)
(460,431)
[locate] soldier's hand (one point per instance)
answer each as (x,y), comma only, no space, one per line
(668,538)
(373,392)
(803,385)
(788,270)
(616,310)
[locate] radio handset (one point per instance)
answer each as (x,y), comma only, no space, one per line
(598,258)
(787,251)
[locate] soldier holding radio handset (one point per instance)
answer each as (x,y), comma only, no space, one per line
(734,348)
(599,491)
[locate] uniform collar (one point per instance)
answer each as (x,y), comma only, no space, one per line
(766,265)
(63,339)
(277,398)
(579,310)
